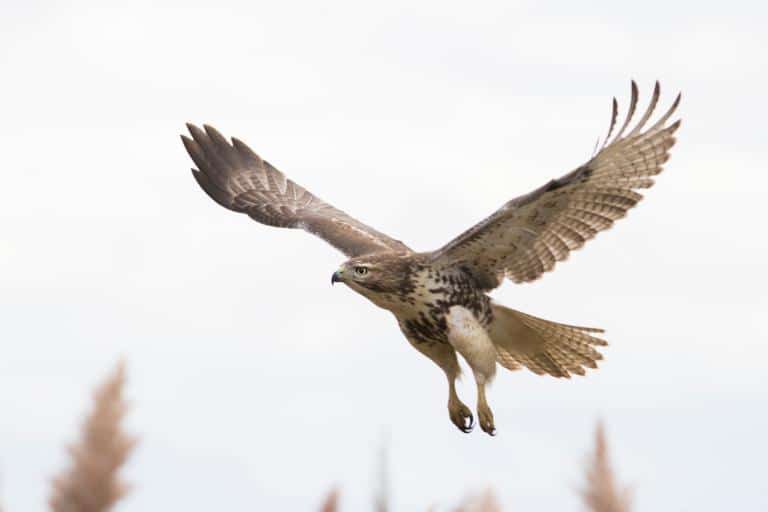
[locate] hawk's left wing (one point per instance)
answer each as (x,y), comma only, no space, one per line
(238,179)
(529,234)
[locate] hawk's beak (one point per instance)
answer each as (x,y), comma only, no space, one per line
(336,277)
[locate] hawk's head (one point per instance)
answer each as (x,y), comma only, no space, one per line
(379,277)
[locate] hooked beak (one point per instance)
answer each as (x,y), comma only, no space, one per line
(336,277)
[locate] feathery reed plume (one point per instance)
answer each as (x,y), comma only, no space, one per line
(331,503)
(485,502)
(381,498)
(601,493)
(91,483)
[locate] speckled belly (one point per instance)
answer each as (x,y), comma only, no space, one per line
(426,322)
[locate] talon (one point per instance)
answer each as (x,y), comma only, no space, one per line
(489,429)
(486,422)
(469,423)
(462,417)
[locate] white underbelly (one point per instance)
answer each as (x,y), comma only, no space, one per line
(470,339)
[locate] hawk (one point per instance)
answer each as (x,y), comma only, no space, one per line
(440,298)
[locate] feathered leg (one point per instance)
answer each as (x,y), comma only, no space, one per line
(484,413)
(471,340)
(445,357)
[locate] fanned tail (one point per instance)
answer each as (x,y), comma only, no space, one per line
(542,346)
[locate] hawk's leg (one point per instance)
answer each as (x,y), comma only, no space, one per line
(471,340)
(445,357)
(459,413)
(484,413)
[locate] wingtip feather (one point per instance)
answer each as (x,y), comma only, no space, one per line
(245,150)
(614,115)
(634,94)
(197,134)
(215,135)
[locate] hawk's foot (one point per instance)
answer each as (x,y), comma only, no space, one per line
(461,416)
(485,418)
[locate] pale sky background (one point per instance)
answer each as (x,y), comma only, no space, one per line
(257,386)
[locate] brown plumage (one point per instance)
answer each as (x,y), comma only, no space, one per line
(439,298)
(237,178)
(528,235)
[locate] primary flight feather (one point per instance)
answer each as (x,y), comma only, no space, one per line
(439,298)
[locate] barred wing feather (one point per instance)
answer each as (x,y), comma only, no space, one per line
(528,235)
(238,179)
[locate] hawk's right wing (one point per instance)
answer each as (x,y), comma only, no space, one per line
(528,235)
(236,178)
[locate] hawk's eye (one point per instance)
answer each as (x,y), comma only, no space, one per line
(361,271)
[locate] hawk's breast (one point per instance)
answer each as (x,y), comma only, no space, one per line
(433,292)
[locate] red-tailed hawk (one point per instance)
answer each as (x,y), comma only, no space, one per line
(440,298)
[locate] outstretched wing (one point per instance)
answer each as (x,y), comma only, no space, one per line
(236,178)
(529,234)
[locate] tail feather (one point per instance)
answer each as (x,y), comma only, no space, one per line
(542,346)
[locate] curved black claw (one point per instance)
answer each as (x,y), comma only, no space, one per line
(469,425)
(462,417)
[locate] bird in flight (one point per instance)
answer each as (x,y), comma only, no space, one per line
(440,298)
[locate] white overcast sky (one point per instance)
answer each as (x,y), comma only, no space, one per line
(257,386)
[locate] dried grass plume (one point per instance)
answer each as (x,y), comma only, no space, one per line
(91,483)
(485,502)
(331,503)
(601,492)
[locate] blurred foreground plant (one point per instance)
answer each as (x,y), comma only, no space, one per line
(91,483)
(601,492)
(485,502)
(331,503)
